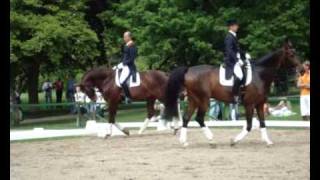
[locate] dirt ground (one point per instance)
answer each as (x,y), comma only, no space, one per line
(158,155)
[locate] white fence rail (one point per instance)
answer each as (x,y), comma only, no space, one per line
(96,129)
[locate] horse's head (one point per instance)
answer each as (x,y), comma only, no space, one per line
(88,90)
(290,60)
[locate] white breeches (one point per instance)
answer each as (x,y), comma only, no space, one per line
(238,71)
(125,73)
(305,105)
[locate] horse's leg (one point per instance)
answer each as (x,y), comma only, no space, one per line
(185,121)
(151,113)
(246,129)
(112,114)
(200,119)
(264,135)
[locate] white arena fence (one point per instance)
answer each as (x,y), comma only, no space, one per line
(100,129)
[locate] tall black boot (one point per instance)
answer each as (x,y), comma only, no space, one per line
(236,89)
(126,91)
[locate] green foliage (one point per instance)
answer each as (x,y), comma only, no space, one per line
(168,33)
(189,32)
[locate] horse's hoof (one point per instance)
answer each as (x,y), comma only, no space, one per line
(232,143)
(175,131)
(126,131)
(269,144)
(185,144)
(107,136)
(213,145)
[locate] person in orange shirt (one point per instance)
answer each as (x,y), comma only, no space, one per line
(304,85)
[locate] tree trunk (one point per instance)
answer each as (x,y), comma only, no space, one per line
(32,82)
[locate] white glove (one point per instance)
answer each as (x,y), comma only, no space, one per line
(248,56)
(238,56)
(240,62)
(114,67)
(120,65)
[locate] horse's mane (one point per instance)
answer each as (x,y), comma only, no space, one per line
(264,59)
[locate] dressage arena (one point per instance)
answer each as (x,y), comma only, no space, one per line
(158,155)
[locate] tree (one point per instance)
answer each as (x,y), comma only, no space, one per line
(175,32)
(46,36)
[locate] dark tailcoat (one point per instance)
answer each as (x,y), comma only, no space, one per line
(230,53)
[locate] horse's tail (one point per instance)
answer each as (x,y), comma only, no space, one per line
(174,86)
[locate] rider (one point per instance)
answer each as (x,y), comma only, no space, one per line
(128,66)
(232,58)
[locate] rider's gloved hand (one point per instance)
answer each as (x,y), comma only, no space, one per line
(120,66)
(240,62)
(248,56)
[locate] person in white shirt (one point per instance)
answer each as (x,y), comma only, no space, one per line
(47,88)
(83,99)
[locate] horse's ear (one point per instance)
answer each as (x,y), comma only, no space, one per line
(287,43)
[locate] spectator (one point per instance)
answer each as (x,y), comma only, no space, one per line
(70,92)
(101,103)
(81,98)
(304,85)
(234,111)
(70,89)
(47,88)
(58,85)
(282,109)
(215,110)
(17,97)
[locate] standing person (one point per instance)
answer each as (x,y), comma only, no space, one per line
(47,88)
(304,85)
(128,66)
(232,59)
(70,89)
(70,92)
(58,85)
(234,111)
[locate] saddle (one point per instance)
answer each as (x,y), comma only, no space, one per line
(132,81)
(247,72)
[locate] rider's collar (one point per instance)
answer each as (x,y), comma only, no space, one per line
(129,43)
(233,33)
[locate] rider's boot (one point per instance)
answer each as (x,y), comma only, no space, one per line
(126,91)
(236,90)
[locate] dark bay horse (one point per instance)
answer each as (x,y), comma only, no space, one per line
(202,82)
(152,87)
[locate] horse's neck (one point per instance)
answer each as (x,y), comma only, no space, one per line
(267,69)
(100,78)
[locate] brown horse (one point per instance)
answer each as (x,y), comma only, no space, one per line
(152,87)
(202,82)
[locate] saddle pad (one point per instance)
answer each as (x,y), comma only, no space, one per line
(131,83)
(229,82)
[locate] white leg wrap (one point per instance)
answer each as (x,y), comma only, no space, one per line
(175,123)
(118,126)
(183,136)
(264,136)
(153,119)
(240,136)
(110,129)
(162,125)
(144,126)
(207,132)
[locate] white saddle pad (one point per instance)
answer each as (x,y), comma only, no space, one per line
(229,82)
(131,83)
